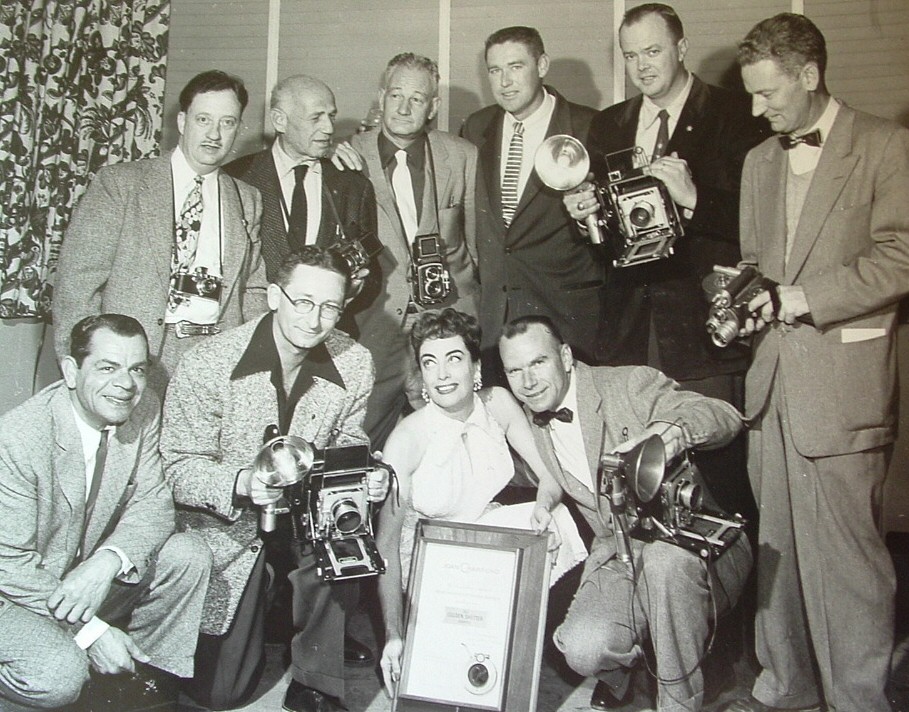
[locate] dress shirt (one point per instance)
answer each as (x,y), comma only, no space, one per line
(568,439)
(804,158)
(648,122)
(416,162)
(312,184)
(535,127)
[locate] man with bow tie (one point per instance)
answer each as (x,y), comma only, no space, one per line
(823,214)
(580,412)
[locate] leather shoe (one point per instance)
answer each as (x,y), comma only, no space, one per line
(300,698)
(604,699)
(750,704)
(356,654)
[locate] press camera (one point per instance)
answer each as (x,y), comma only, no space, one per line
(651,501)
(636,213)
(431,282)
(197,283)
(357,252)
(729,291)
(326,495)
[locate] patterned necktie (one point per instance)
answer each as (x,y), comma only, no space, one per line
(662,139)
(402,184)
(547,416)
(188,227)
(296,228)
(512,173)
(812,138)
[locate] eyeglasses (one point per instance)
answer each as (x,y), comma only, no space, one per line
(327,310)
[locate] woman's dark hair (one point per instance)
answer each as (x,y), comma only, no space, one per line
(448,322)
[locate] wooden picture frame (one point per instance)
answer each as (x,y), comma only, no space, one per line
(475,619)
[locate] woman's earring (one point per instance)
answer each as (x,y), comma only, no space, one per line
(478,382)
(425,394)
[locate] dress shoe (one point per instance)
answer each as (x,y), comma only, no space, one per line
(356,654)
(750,704)
(604,699)
(300,698)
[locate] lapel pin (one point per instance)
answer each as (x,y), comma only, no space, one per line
(688,128)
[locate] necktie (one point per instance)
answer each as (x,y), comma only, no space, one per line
(100,459)
(812,138)
(512,173)
(188,226)
(403,187)
(547,416)
(296,223)
(662,139)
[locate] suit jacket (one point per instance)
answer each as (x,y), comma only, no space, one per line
(42,496)
(350,192)
(116,254)
(213,428)
(613,400)
(540,264)
(714,132)
(850,254)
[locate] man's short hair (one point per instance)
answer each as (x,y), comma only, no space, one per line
(791,40)
(435,324)
(527,36)
(669,15)
(409,60)
(523,323)
(312,256)
(213,80)
(80,342)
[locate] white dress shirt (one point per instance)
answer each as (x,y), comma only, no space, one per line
(568,439)
(648,122)
(804,158)
(312,184)
(535,127)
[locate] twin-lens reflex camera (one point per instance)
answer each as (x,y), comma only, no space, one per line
(651,500)
(326,496)
(430,280)
(636,216)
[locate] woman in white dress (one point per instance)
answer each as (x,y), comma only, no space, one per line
(451,457)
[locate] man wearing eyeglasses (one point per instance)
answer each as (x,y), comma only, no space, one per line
(294,370)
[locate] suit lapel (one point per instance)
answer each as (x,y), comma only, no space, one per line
(157,211)
(234,229)
(385,199)
(265,173)
(117,470)
(489,156)
(439,180)
(771,215)
(69,465)
(687,127)
(589,404)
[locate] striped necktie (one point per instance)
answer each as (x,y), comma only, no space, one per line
(512,173)
(188,227)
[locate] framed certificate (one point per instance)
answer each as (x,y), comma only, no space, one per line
(476,611)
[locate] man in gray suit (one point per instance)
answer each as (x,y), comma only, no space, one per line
(87,538)
(171,241)
(578,414)
(424,182)
(823,214)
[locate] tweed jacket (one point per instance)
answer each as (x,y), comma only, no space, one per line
(213,428)
(850,254)
(42,496)
(715,131)
(116,254)
(540,264)
(616,399)
(350,193)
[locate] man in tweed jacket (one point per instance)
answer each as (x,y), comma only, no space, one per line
(292,369)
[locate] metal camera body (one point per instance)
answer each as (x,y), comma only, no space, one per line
(198,283)
(636,216)
(729,291)
(431,281)
(358,252)
(328,502)
(664,502)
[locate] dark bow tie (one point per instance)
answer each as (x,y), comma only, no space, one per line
(812,138)
(543,419)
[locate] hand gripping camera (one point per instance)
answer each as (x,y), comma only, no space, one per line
(729,291)
(653,502)
(430,280)
(326,495)
(636,212)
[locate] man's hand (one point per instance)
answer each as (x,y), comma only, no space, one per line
(82,591)
(115,652)
(676,175)
(672,435)
(377,481)
(391,664)
(540,519)
(793,305)
(256,485)
(356,284)
(343,155)
(581,201)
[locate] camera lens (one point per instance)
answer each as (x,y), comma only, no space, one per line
(346,516)
(641,214)
(207,286)
(478,674)
(689,496)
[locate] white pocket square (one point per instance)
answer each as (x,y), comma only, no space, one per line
(851,336)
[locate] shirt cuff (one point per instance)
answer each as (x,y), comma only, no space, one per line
(90,632)
(126,566)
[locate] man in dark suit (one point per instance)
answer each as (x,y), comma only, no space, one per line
(655,313)
(171,241)
(665,592)
(306,199)
(532,258)
(824,214)
(436,197)
(87,540)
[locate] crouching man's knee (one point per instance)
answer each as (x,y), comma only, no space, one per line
(590,646)
(54,680)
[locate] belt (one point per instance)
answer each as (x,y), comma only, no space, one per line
(182,329)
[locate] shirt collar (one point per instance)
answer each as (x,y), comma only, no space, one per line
(284,164)
(261,356)
(90,436)
(824,123)
(542,114)
(183,173)
(570,400)
(416,152)
(649,110)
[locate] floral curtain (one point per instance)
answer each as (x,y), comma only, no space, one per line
(81,85)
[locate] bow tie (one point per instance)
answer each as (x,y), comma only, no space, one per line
(543,419)
(812,138)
